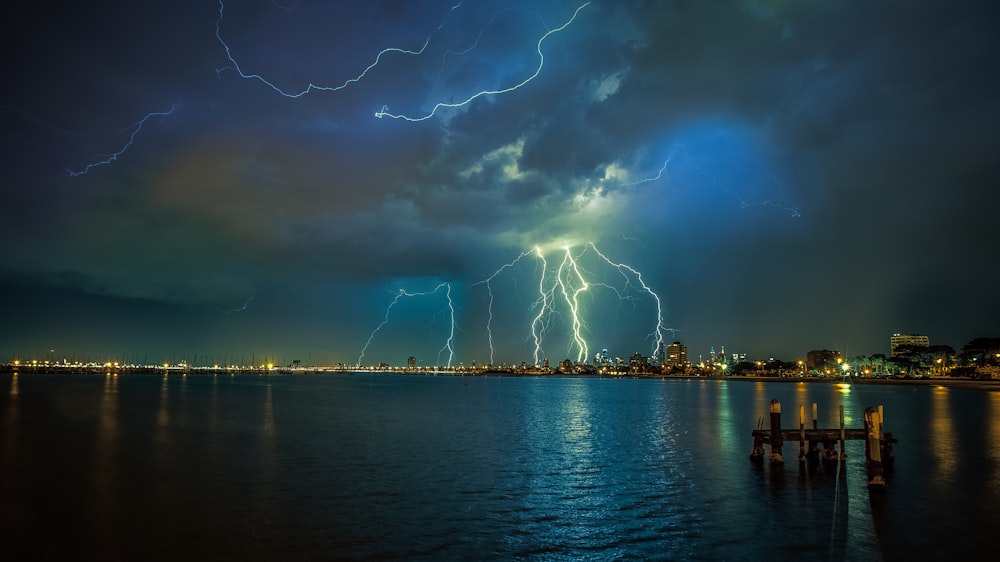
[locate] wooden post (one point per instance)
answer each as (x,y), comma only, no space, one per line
(843,456)
(776,457)
(757,453)
(814,446)
(802,433)
(887,454)
(873,449)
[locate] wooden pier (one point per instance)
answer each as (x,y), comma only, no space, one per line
(821,444)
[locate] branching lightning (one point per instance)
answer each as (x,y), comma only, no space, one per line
(571,294)
(135,129)
(664,173)
(560,291)
(657,334)
(449,342)
(384,112)
(489,289)
(235,66)
(560,299)
(543,304)
(479,36)
(311,86)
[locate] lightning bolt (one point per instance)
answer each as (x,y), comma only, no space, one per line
(489,289)
(135,129)
(560,292)
(664,173)
(288,8)
(571,294)
(479,36)
(657,334)
(538,324)
(240,308)
(311,86)
(384,112)
(449,342)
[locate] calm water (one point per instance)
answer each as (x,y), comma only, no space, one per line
(407,467)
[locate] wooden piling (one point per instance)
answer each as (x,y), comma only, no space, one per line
(814,449)
(873,449)
(843,455)
(776,457)
(887,455)
(802,433)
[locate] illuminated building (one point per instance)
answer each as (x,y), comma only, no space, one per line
(899,340)
(677,354)
(638,364)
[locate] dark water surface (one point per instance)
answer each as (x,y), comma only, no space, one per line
(145,467)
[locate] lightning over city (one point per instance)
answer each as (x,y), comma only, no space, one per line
(449,341)
(559,300)
(588,176)
(476,279)
(489,289)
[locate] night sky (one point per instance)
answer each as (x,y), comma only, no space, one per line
(263,179)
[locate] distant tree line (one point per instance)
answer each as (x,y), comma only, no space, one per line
(979,356)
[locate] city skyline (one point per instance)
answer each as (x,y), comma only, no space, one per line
(914,350)
(332,183)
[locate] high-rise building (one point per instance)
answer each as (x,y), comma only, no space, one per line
(411,363)
(913,340)
(677,354)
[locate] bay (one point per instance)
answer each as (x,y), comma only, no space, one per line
(319,467)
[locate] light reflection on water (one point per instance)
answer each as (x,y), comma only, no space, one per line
(993,439)
(267,433)
(163,415)
(411,467)
(942,434)
(107,434)
(11,415)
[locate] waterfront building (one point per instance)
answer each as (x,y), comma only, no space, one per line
(898,341)
(638,364)
(819,359)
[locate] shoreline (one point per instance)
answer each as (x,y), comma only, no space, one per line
(982,384)
(985,384)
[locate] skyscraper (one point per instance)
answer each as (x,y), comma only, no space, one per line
(677,355)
